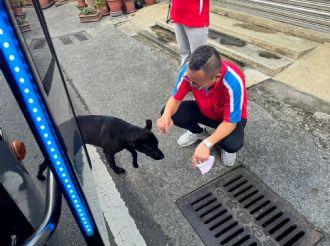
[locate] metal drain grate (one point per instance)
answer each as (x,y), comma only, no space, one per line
(65,39)
(38,44)
(81,36)
(238,209)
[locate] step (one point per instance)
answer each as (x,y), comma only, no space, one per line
(252,76)
(302,16)
(278,42)
(236,49)
(264,20)
(323,5)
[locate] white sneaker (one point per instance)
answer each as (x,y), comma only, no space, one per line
(188,138)
(228,159)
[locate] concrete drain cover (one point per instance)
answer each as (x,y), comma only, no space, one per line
(238,209)
(65,39)
(38,44)
(81,36)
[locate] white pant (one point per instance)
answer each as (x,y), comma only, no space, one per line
(188,39)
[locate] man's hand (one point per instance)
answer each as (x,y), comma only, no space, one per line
(201,154)
(164,123)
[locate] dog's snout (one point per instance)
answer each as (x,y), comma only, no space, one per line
(160,156)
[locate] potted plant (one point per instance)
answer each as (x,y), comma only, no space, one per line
(102,6)
(149,2)
(23,24)
(115,7)
(46,3)
(129,6)
(87,15)
(17,7)
(61,2)
(81,4)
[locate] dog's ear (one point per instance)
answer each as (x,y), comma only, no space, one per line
(148,124)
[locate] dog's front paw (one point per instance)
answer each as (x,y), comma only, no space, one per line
(136,165)
(41,177)
(119,170)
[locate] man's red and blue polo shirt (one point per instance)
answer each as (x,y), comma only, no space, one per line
(225,101)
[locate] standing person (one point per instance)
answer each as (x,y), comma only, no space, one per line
(220,102)
(191,19)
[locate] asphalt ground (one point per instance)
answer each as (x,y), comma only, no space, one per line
(287,136)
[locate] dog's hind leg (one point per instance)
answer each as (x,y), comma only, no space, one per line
(134,155)
(42,168)
(113,165)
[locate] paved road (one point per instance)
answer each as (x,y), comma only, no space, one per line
(286,138)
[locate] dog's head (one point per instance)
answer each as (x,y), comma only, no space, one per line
(147,143)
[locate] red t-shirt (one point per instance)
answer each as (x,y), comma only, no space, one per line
(191,13)
(225,101)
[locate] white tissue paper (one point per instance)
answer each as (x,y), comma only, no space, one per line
(206,165)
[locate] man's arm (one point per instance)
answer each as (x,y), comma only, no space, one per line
(222,131)
(171,106)
(202,153)
(165,122)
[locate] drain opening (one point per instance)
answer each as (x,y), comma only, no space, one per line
(81,36)
(65,39)
(221,222)
(259,217)
(273,219)
(210,210)
(278,226)
(244,239)
(295,239)
(223,231)
(248,196)
(206,204)
(232,181)
(231,237)
(216,216)
(38,44)
(286,233)
(238,209)
(259,207)
(200,199)
(237,186)
(242,191)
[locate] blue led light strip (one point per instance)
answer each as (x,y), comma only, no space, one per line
(16,62)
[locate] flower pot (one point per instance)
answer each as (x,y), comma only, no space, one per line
(104,9)
(61,2)
(114,14)
(25,26)
(46,3)
(18,11)
(149,2)
(29,3)
(90,18)
(129,6)
(81,3)
(115,6)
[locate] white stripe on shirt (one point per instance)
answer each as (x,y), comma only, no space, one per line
(239,79)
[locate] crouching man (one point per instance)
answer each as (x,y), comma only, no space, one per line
(220,102)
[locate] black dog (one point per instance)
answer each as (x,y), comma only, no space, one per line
(113,135)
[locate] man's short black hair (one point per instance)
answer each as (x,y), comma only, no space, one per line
(207,58)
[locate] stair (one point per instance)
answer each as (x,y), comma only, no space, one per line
(313,14)
(278,42)
(235,48)
(261,50)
